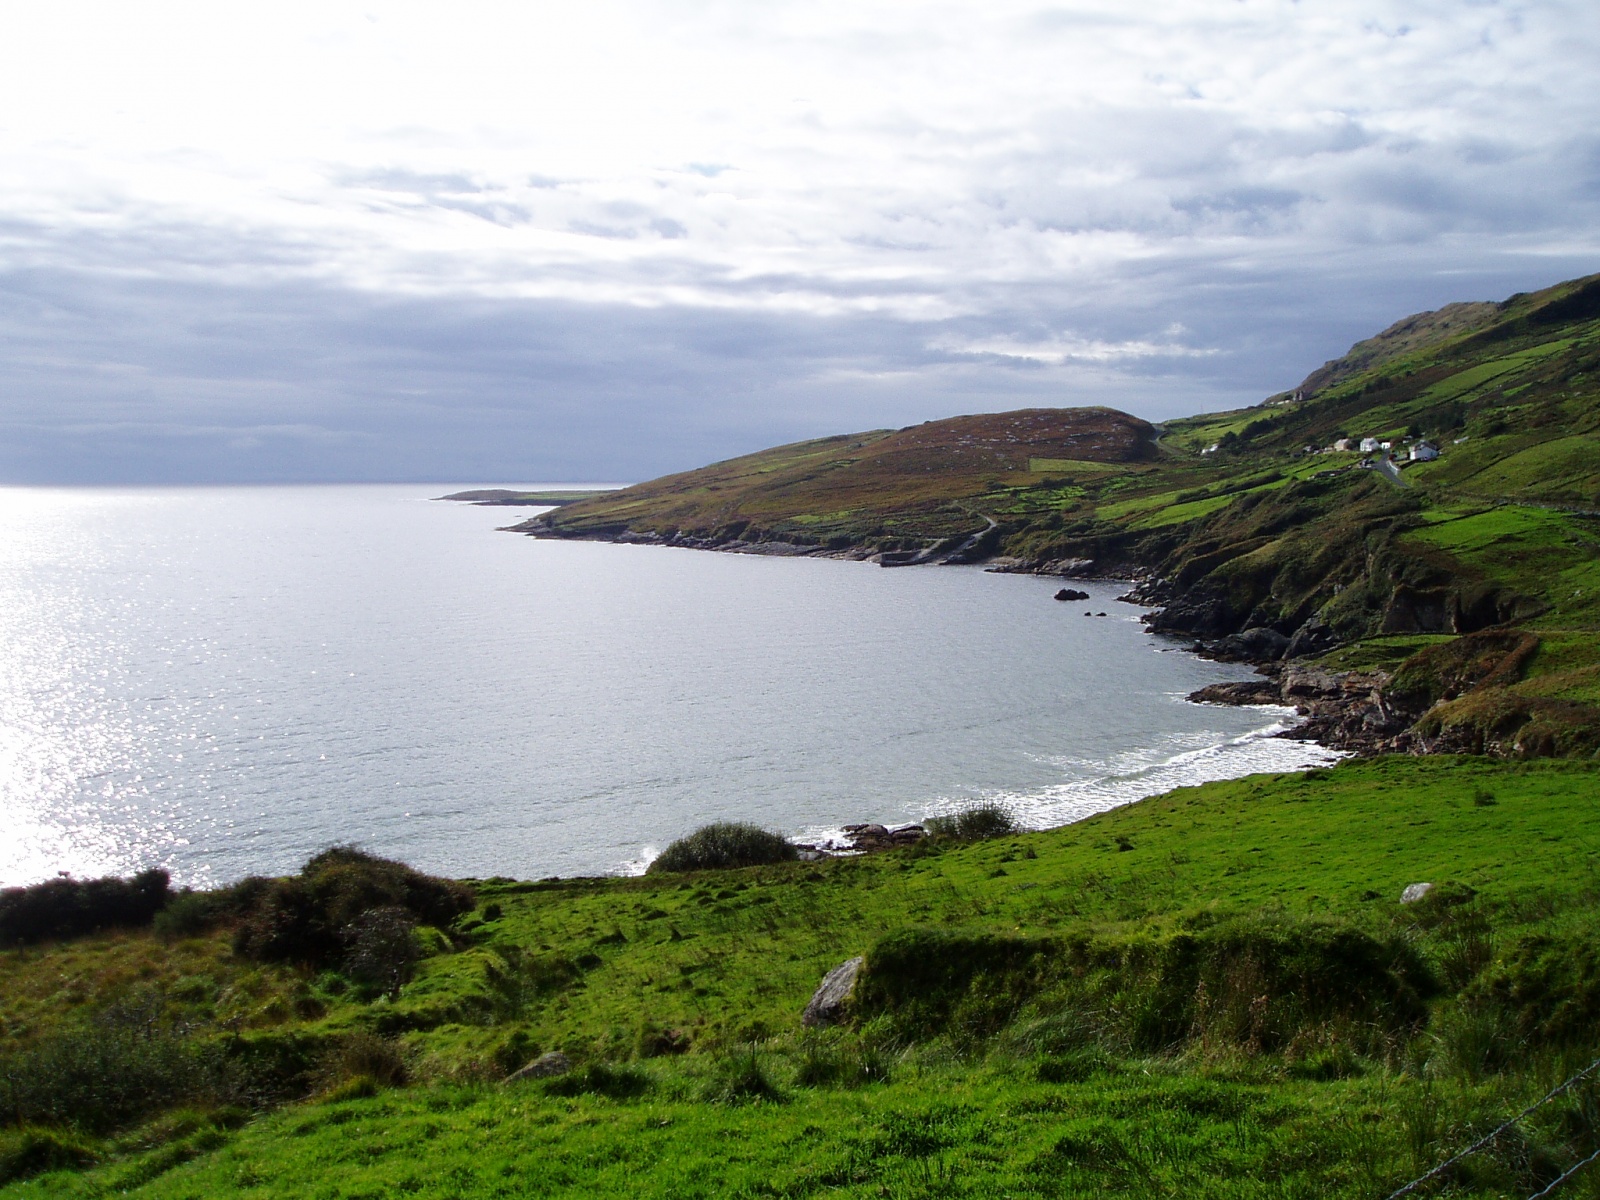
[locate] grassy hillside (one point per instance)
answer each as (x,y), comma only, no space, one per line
(1212,993)
(1249,520)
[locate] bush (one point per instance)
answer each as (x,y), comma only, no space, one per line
(724,844)
(978,823)
(105,1077)
(382,949)
(312,917)
(922,977)
(1257,984)
(66,908)
(365,1056)
(31,1150)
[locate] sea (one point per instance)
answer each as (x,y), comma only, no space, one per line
(222,681)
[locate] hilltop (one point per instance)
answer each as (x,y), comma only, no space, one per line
(1264,532)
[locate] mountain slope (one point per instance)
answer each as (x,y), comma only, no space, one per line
(1249,524)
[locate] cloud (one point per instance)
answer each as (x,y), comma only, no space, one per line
(639,235)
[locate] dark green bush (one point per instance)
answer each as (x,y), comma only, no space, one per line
(724,844)
(105,1077)
(1252,983)
(366,1056)
(1546,993)
(310,918)
(32,1150)
(978,823)
(382,949)
(66,908)
(921,977)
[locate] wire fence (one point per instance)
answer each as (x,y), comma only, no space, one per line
(1488,1138)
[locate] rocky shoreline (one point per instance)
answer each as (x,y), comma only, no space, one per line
(1349,711)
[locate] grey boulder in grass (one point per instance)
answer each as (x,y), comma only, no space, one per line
(828,1003)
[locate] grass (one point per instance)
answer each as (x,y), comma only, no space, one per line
(681,997)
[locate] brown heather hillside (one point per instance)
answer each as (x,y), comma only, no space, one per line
(878,488)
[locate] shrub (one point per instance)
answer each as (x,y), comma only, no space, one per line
(66,908)
(921,977)
(32,1150)
(1253,983)
(1545,994)
(103,1077)
(382,948)
(365,1056)
(978,823)
(724,844)
(308,918)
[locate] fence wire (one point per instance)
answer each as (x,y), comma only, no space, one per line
(1489,1137)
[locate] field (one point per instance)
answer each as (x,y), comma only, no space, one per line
(1068,1066)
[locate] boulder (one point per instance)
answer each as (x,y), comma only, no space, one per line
(1309,683)
(866,836)
(827,1006)
(1256,644)
(546,1066)
(1068,567)
(1248,691)
(1314,637)
(1415,892)
(1071,594)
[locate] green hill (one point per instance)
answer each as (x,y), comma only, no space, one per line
(1250,522)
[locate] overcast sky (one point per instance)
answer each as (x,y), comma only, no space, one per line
(604,240)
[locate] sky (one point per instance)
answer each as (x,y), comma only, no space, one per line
(486,241)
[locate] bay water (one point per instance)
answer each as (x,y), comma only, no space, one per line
(222,681)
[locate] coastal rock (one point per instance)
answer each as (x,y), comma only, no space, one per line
(1313,637)
(827,1004)
(1308,683)
(1415,892)
(1260,643)
(546,1066)
(1069,568)
(1248,691)
(1071,594)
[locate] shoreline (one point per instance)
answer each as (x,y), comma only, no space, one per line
(1327,709)
(1341,711)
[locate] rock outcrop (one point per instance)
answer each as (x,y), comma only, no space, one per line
(832,997)
(546,1066)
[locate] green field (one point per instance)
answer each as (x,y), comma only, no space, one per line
(1147,1022)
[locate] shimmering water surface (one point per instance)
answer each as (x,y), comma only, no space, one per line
(224,680)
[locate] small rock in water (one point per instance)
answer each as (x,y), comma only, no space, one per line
(544,1067)
(1071,594)
(832,994)
(1415,892)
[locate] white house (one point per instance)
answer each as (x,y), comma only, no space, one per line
(1368,445)
(1424,452)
